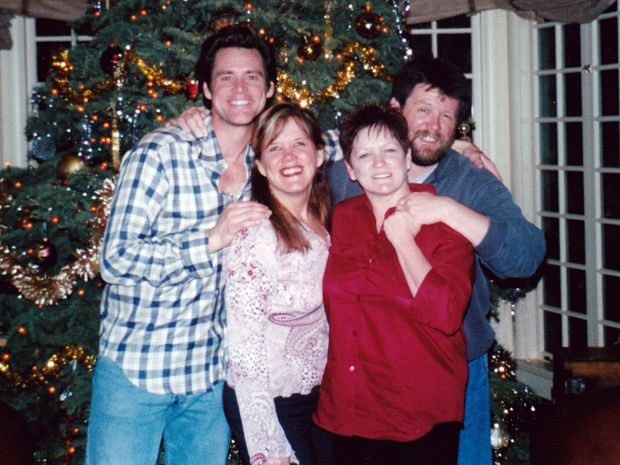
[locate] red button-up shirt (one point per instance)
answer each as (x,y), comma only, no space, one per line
(397,364)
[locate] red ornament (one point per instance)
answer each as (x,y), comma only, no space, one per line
(369,24)
(111,60)
(191,89)
(45,254)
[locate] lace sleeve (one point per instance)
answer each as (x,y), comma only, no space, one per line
(251,256)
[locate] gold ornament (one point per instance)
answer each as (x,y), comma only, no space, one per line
(69,164)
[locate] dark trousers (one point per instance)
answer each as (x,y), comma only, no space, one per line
(312,445)
(438,447)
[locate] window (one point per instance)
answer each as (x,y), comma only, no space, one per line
(577,124)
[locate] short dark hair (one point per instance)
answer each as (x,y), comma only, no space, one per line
(372,117)
(237,36)
(438,74)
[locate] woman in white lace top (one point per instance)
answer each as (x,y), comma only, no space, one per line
(277,331)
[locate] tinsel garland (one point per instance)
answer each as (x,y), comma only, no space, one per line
(352,56)
(46,290)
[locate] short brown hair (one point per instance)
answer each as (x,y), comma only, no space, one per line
(372,117)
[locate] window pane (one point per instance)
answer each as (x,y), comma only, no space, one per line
(610,144)
(548,96)
(421,26)
(572,46)
(611,296)
(454,22)
(611,195)
(574,144)
(574,192)
(549,143)
(611,247)
(608,40)
(51,27)
(577,333)
(577,291)
(551,227)
(576,242)
(572,94)
(550,200)
(546,48)
(612,336)
(553,331)
(609,92)
(45,52)
(552,283)
(456,48)
(420,44)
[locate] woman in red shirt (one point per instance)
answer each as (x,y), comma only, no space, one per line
(395,295)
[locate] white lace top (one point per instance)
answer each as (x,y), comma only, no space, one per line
(276,329)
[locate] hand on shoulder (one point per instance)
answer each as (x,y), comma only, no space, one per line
(192,121)
(476,156)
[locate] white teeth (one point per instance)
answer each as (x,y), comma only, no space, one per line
(240,103)
(291,171)
(382,175)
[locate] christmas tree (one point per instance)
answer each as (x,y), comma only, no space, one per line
(100,98)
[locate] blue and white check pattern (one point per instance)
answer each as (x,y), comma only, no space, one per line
(162,309)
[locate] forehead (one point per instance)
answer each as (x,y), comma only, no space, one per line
(238,59)
(370,134)
(425,94)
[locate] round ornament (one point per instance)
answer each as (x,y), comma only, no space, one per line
(69,164)
(44,254)
(369,24)
(43,148)
(111,60)
(310,49)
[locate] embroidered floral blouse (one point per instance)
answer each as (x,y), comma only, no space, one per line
(276,328)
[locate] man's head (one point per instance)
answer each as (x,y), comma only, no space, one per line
(236,71)
(434,97)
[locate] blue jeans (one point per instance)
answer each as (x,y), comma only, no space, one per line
(475,438)
(127,423)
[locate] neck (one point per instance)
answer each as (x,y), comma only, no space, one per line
(416,171)
(297,205)
(382,203)
(233,140)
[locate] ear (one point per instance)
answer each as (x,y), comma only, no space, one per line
(394,104)
(351,172)
(320,157)
(206,92)
(271,90)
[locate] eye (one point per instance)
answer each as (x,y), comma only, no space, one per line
(363,155)
(273,148)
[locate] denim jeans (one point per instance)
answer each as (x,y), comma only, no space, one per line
(311,444)
(127,424)
(475,438)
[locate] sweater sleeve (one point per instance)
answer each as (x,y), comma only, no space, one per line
(248,287)
(443,296)
(513,247)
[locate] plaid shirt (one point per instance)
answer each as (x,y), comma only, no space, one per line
(162,309)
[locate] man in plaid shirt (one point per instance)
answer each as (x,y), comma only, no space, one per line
(179,201)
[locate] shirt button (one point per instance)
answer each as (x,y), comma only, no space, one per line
(352,368)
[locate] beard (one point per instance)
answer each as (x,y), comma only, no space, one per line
(425,156)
